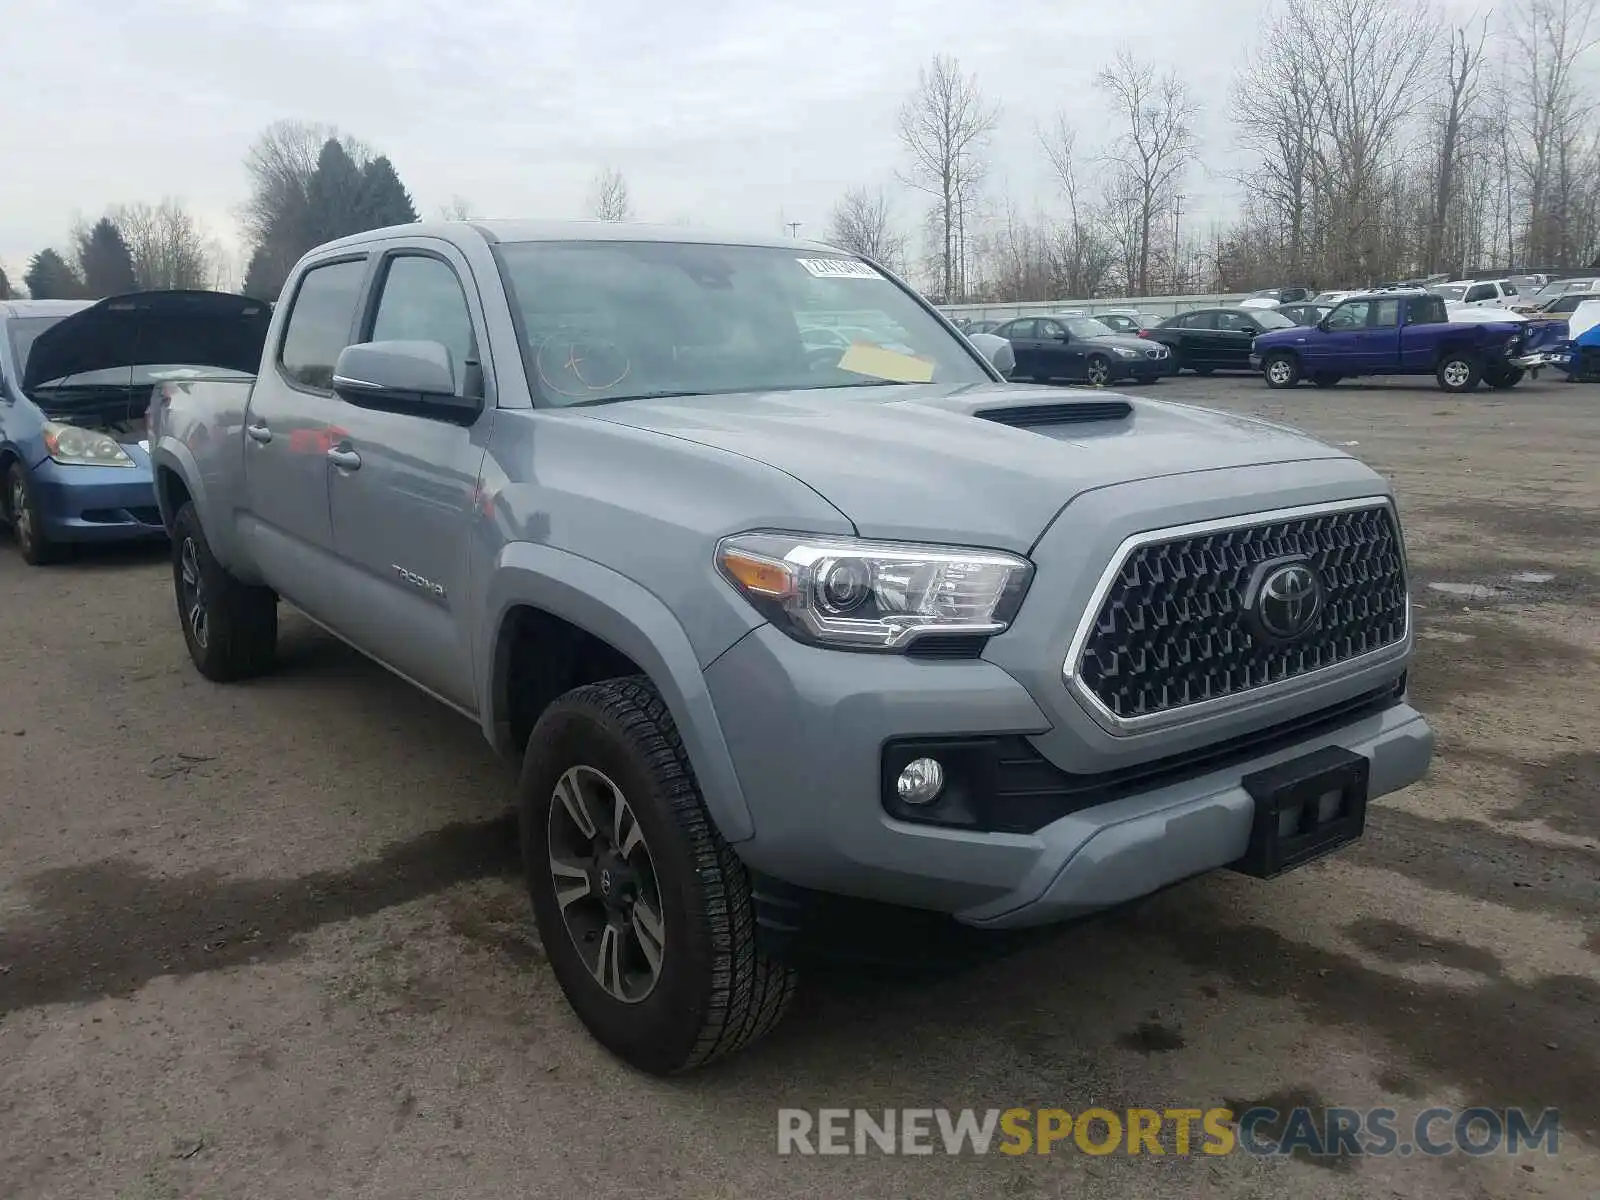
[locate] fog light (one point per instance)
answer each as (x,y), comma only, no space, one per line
(921,781)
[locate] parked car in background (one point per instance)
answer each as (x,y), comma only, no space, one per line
(1304,314)
(1557,288)
(1483,293)
(1567,303)
(761,624)
(75,383)
(1332,298)
(1271,297)
(985,326)
(1127,320)
(1215,339)
(1394,333)
(1081,349)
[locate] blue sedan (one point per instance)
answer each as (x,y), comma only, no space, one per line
(75,382)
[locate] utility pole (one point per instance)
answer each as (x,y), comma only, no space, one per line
(791,226)
(1177,274)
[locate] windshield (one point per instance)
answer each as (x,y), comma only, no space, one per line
(24,332)
(1088,327)
(1451,291)
(608,321)
(1271,319)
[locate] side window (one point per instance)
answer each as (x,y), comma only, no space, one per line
(1385,314)
(1018,329)
(319,323)
(1230,322)
(1052,330)
(1429,310)
(1199,320)
(1510,289)
(1349,316)
(422,301)
(1482,291)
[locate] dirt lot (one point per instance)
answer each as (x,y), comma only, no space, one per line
(268,940)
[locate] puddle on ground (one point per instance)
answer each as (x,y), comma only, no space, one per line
(1466,591)
(1533,577)
(1446,635)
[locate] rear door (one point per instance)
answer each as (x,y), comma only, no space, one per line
(403,486)
(1024,345)
(289,426)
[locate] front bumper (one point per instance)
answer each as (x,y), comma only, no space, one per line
(95,504)
(1541,358)
(807,729)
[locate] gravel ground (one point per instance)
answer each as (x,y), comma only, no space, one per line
(268,940)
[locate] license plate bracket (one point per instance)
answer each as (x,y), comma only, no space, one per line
(1305,808)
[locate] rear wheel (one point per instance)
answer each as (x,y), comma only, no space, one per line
(1326,381)
(644,911)
(1502,375)
(26,527)
(231,628)
(1281,370)
(1459,372)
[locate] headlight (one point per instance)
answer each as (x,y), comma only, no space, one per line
(861,595)
(83,447)
(1125,353)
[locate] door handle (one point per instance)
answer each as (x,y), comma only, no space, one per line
(259,433)
(347,460)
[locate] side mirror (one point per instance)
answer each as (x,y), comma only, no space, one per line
(403,376)
(997,350)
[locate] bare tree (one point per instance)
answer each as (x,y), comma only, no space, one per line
(1463,65)
(1549,110)
(459,209)
(608,196)
(170,249)
(945,125)
(1156,144)
(860,223)
(1080,255)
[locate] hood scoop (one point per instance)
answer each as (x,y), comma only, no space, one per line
(1026,416)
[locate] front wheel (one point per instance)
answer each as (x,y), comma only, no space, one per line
(644,911)
(231,628)
(1459,372)
(1281,370)
(36,549)
(1098,371)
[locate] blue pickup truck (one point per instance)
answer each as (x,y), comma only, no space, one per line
(1394,333)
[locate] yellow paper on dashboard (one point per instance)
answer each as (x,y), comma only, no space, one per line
(867,359)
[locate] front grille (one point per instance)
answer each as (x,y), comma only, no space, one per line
(1172,629)
(1158,353)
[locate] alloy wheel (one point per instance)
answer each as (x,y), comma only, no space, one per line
(1278,371)
(193,588)
(1099,373)
(1456,373)
(605,884)
(21,514)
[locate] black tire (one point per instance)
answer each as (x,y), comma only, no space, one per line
(1326,381)
(1281,370)
(715,990)
(23,513)
(231,628)
(1503,376)
(1097,371)
(1458,372)
(1204,370)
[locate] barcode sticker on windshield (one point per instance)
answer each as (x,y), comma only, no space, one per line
(838,268)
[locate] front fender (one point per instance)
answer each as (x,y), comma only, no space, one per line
(614,608)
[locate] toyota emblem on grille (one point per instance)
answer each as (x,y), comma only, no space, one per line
(1287,599)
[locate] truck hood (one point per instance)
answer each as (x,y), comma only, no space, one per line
(198,329)
(985,464)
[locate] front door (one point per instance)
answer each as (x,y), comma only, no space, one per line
(1062,354)
(1339,349)
(1379,343)
(1235,332)
(288,428)
(404,487)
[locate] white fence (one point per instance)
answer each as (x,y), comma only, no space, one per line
(1156,306)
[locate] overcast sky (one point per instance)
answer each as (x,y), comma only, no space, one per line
(726,112)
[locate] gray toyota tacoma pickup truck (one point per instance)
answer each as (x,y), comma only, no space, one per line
(776,588)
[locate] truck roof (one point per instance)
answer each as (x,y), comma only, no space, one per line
(579,231)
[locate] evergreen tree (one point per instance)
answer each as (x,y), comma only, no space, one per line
(105,261)
(384,199)
(5,285)
(333,196)
(49,277)
(264,276)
